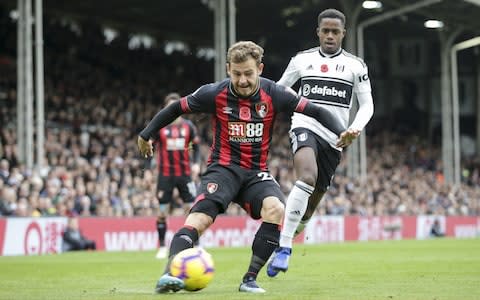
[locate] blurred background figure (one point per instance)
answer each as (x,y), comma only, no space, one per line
(436,230)
(173,144)
(73,239)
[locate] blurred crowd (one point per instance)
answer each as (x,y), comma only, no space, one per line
(98,97)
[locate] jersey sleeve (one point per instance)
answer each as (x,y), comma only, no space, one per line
(291,73)
(363,90)
(321,114)
(361,82)
(164,117)
(202,100)
(284,98)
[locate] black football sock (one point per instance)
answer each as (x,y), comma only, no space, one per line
(265,242)
(185,238)
(162,230)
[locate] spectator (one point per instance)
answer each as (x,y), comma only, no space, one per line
(436,230)
(73,240)
(174,169)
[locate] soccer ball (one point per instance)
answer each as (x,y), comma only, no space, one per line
(194,266)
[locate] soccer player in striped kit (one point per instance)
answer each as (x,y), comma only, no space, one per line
(173,144)
(329,76)
(243,109)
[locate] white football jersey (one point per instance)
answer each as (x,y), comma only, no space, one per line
(327,80)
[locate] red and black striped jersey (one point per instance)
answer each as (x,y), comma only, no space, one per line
(242,127)
(172,147)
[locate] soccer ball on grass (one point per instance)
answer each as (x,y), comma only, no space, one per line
(194,266)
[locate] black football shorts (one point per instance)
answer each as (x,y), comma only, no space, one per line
(225,184)
(328,158)
(166,184)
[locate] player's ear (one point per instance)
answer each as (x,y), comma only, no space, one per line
(260,68)
(227,67)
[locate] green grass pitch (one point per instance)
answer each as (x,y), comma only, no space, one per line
(431,269)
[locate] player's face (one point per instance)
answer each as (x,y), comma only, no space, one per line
(330,32)
(245,76)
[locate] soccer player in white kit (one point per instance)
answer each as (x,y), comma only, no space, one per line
(328,77)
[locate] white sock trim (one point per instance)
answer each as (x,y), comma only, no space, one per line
(295,208)
(305,187)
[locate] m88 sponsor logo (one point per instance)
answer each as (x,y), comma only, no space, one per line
(245,131)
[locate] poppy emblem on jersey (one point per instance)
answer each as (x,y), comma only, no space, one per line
(324,68)
(261,109)
(245,113)
(212,187)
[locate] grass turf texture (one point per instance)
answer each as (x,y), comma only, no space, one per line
(432,269)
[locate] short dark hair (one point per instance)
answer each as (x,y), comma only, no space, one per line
(331,13)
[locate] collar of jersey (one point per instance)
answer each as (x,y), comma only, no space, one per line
(232,90)
(329,55)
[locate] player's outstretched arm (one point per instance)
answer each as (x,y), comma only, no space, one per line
(322,115)
(363,116)
(161,119)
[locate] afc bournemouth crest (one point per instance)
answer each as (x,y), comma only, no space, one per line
(212,187)
(261,109)
(245,113)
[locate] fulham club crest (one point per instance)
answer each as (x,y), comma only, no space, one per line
(262,109)
(212,187)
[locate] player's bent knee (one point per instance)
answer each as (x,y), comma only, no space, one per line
(272,210)
(308,176)
(199,221)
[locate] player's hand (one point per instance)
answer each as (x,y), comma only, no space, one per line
(347,137)
(145,147)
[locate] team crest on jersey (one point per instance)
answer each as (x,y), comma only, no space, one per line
(245,113)
(340,68)
(212,187)
(324,68)
(261,109)
(303,137)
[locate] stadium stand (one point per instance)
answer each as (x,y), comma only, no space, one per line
(97,98)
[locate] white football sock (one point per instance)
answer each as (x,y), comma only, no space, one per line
(297,202)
